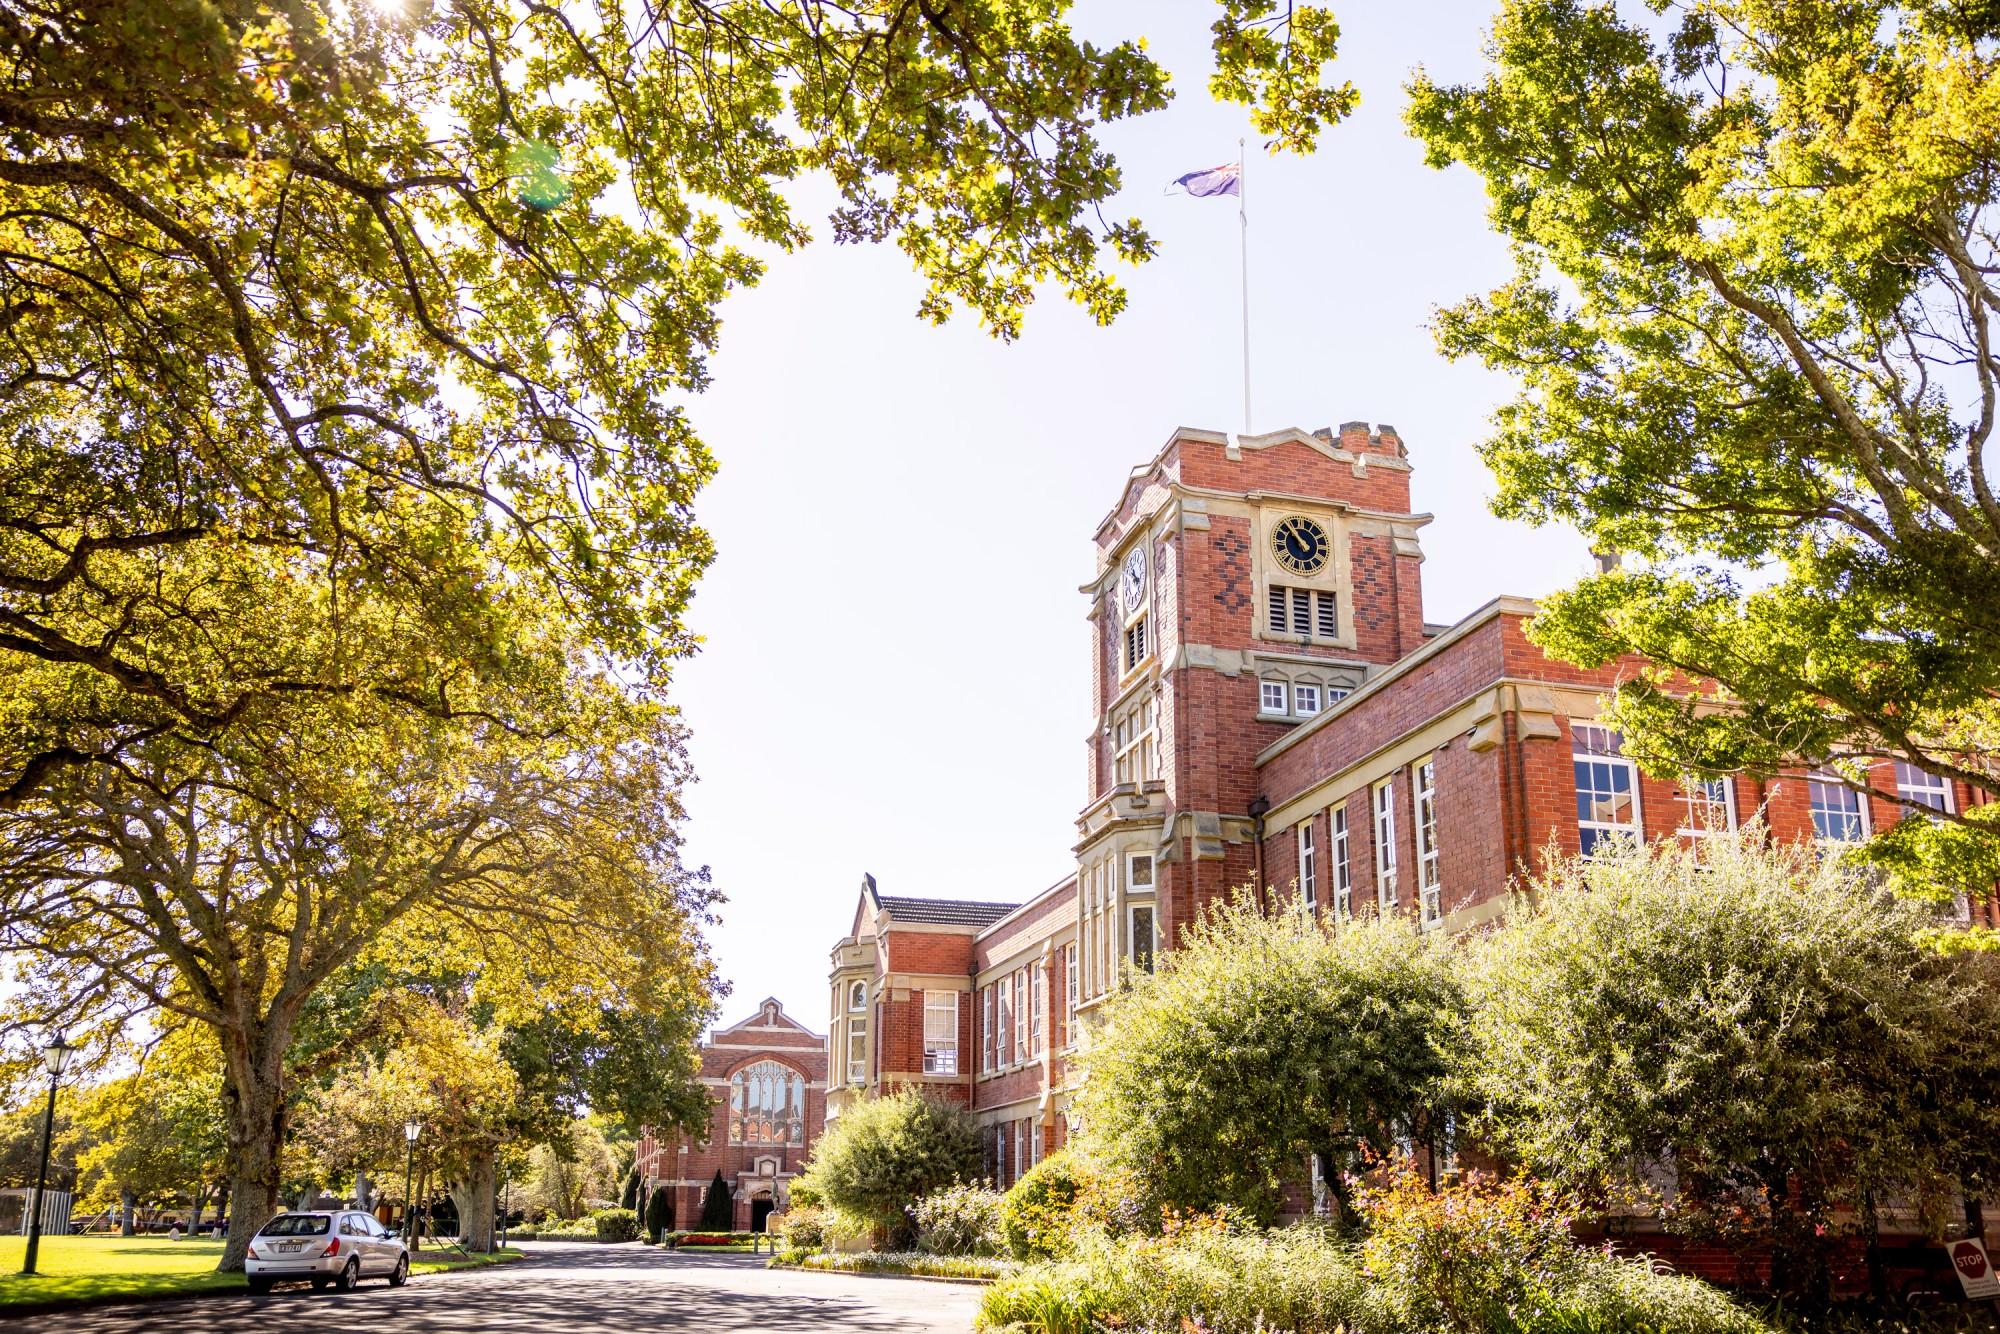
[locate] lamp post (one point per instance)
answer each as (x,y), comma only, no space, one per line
(55,1059)
(411,1130)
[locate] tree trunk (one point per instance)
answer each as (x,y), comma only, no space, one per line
(198,1197)
(256,1126)
(475,1213)
(363,1187)
(125,1228)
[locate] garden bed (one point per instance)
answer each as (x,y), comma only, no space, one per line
(908,1264)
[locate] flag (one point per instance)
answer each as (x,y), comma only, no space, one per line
(1223,180)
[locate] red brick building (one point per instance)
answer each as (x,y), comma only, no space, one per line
(767,1076)
(1272,709)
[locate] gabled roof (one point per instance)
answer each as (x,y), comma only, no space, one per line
(770,1014)
(945,912)
(922,912)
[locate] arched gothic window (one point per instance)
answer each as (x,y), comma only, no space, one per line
(767,1105)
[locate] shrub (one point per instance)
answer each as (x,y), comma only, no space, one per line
(615,1225)
(1757,1010)
(1211,1081)
(958,1220)
(1203,1275)
(718,1210)
(1476,1255)
(1197,1276)
(804,1228)
(1038,1214)
(884,1155)
(659,1213)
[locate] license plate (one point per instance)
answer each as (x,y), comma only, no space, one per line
(290,1246)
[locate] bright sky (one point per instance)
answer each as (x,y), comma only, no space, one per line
(894,678)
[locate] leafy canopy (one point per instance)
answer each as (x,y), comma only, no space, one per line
(397,305)
(1263,1040)
(1752,320)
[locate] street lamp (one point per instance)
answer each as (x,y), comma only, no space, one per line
(55,1059)
(411,1129)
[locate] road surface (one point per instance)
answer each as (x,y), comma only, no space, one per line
(564,1288)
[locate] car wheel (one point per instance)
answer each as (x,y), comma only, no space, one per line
(401,1274)
(258,1283)
(348,1276)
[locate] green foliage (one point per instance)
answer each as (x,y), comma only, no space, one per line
(629,1200)
(718,1210)
(884,1154)
(1260,1041)
(659,1213)
(1521,1275)
(803,1227)
(1752,323)
(1773,1024)
(958,1220)
(1039,1212)
(615,1225)
(918,1263)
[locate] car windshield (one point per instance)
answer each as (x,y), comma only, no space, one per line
(296,1225)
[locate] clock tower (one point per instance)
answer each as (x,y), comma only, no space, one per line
(1245,584)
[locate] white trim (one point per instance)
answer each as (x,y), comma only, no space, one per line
(1382,826)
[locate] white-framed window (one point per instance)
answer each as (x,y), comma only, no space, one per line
(1139,873)
(1423,795)
(1004,1038)
(1926,789)
(1037,996)
(857,1035)
(1135,643)
(1020,1149)
(1709,805)
(1384,797)
(1142,936)
(1070,984)
(940,1032)
(1020,1015)
(986,1027)
(1308,867)
(1343,871)
(1134,745)
(1299,611)
(1035,1145)
(1607,788)
(1000,1153)
(1271,698)
(1838,813)
(1305,700)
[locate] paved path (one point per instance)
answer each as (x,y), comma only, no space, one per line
(566,1288)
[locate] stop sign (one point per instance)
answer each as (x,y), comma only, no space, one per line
(1975,1271)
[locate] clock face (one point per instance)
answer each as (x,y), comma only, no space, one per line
(1133,584)
(1300,545)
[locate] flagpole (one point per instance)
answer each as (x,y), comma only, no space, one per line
(1243,234)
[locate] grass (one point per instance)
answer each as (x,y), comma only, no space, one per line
(915,1263)
(81,1269)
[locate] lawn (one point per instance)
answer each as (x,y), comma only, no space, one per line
(82,1268)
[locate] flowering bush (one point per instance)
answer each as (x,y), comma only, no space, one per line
(803,1227)
(958,1220)
(1476,1254)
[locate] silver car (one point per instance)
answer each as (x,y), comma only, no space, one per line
(337,1246)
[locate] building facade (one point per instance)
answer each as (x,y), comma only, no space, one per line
(1272,711)
(766,1078)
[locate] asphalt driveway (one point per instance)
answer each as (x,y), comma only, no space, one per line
(566,1288)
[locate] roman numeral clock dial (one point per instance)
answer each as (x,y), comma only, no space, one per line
(1300,545)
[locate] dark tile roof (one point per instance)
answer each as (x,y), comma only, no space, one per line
(945,912)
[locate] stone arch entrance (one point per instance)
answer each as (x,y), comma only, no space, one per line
(761,1208)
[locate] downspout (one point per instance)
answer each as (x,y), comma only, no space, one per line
(1259,807)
